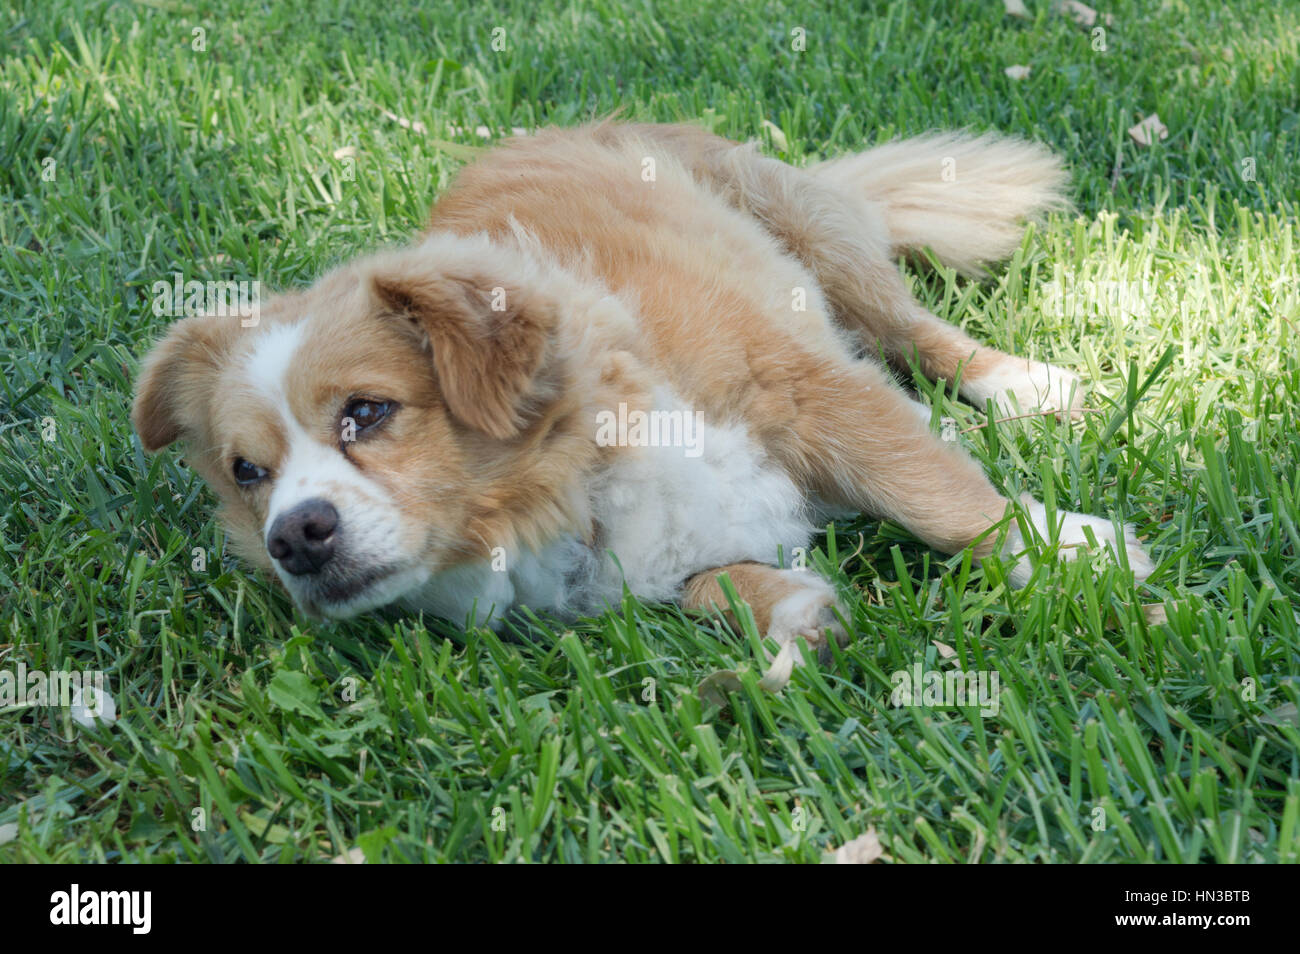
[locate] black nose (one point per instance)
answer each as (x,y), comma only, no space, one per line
(303,538)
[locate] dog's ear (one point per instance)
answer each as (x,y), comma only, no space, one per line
(175,378)
(490,341)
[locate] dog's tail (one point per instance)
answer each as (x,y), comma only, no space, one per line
(964,197)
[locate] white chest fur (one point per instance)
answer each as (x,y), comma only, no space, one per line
(664,513)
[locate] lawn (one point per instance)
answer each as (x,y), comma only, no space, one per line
(251,141)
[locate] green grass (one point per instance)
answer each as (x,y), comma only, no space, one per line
(1117,739)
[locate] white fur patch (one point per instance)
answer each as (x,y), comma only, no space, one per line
(271,357)
(666,516)
(1020,387)
(663,516)
(561,579)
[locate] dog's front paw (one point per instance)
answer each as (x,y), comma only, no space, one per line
(1072,539)
(808,612)
(1019,386)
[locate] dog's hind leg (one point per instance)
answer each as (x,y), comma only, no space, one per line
(857,441)
(827,218)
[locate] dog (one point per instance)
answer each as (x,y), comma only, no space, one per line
(623,355)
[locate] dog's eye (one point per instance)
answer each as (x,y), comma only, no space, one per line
(246,473)
(366,413)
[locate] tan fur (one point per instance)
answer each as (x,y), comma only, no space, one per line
(611,282)
(759,586)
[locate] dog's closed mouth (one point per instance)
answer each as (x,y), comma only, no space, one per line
(340,589)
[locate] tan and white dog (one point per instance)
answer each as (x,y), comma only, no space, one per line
(621,354)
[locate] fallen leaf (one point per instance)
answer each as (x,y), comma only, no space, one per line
(862,850)
(1154,613)
(1148,131)
(90,708)
(1284,714)
(405,123)
(1081,13)
(716,685)
(262,828)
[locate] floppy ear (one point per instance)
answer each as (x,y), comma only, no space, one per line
(489,342)
(173,379)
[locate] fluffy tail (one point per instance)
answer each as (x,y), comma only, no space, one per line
(965,197)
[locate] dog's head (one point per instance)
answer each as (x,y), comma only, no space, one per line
(359,432)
